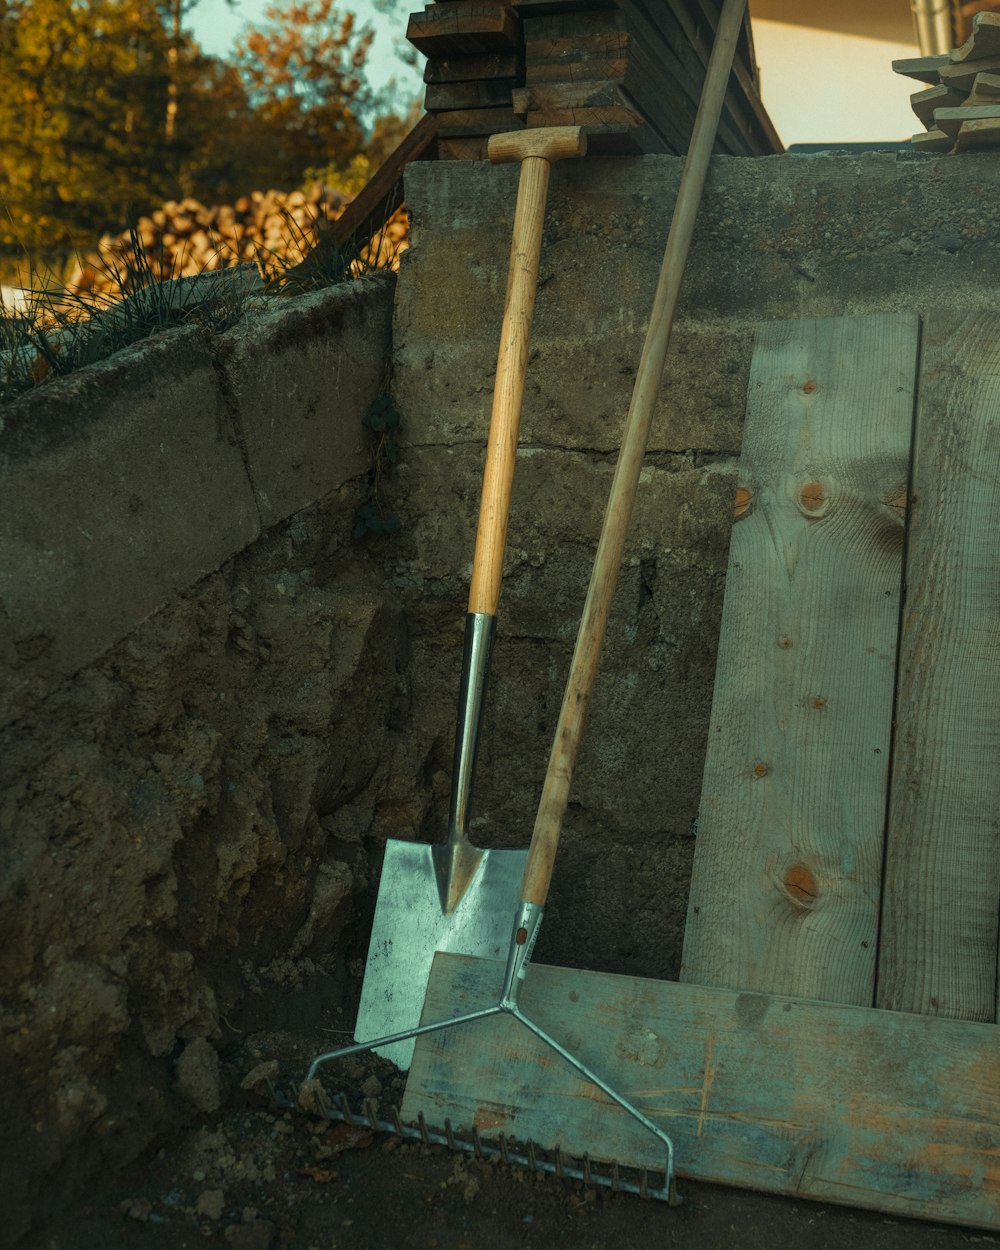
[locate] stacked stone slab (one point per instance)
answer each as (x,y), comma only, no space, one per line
(960,106)
(628,71)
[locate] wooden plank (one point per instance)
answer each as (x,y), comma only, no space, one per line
(443,96)
(566,95)
(938,949)
(621,114)
(667,113)
(922,68)
(985,89)
(464,28)
(472,68)
(788,856)
(841,1104)
(981,134)
(932,141)
(532,8)
(962,77)
(471,148)
(924,103)
(382,194)
(950,121)
(984,41)
(477,122)
(610,138)
(743,101)
(576,69)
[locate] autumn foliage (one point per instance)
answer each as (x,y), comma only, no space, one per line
(109,107)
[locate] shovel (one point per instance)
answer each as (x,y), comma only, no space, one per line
(455,896)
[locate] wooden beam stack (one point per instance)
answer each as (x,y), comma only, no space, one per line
(474,61)
(629,71)
(960,106)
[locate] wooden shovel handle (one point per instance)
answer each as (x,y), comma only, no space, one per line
(536,150)
(590,636)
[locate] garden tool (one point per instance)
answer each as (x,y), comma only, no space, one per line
(455,896)
(440,1078)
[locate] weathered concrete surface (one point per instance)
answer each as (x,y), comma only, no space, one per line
(777,238)
(301,378)
(121,486)
(125,483)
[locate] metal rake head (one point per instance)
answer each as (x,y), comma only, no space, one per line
(508,1150)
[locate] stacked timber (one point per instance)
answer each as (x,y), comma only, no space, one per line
(474,61)
(629,71)
(960,105)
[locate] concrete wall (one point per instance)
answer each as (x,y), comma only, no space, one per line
(123,484)
(199,676)
(779,237)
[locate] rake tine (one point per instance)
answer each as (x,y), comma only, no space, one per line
(371,1111)
(345,1109)
(449,1134)
(504,1156)
(397,1122)
(422,1125)
(557,1154)
(477,1143)
(587,1178)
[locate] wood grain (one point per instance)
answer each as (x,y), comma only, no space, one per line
(621,498)
(787,869)
(938,952)
(842,1104)
(978,134)
(536,154)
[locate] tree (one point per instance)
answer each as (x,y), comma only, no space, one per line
(84,92)
(303,71)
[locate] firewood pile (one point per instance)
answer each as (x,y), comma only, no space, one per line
(272,229)
(960,106)
(629,71)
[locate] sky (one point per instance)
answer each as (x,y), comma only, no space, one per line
(216,24)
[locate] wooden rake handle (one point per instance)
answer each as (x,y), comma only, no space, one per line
(536,150)
(593,623)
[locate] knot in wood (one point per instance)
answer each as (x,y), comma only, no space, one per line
(813,499)
(800,885)
(743,502)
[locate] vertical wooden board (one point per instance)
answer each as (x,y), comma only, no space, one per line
(938,950)
(871,1108)
(787,871)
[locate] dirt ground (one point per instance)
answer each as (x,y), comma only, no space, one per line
(254,1177)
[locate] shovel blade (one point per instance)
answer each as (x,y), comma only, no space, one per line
(410,925)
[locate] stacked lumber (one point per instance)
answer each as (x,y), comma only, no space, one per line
(474,61)
(629,71)
(960,106)
(632,73)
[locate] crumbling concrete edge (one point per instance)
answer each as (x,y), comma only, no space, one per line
(127,482)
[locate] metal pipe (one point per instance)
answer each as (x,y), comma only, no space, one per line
(932,25)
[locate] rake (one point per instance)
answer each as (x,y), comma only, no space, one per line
(586,657)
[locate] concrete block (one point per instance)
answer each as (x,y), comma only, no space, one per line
(119,486)
(777,237)
(301,378)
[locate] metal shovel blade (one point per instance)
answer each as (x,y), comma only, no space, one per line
(411,924)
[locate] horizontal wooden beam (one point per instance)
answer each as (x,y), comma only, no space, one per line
(853,1105)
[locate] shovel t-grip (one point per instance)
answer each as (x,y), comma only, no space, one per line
(536,150)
